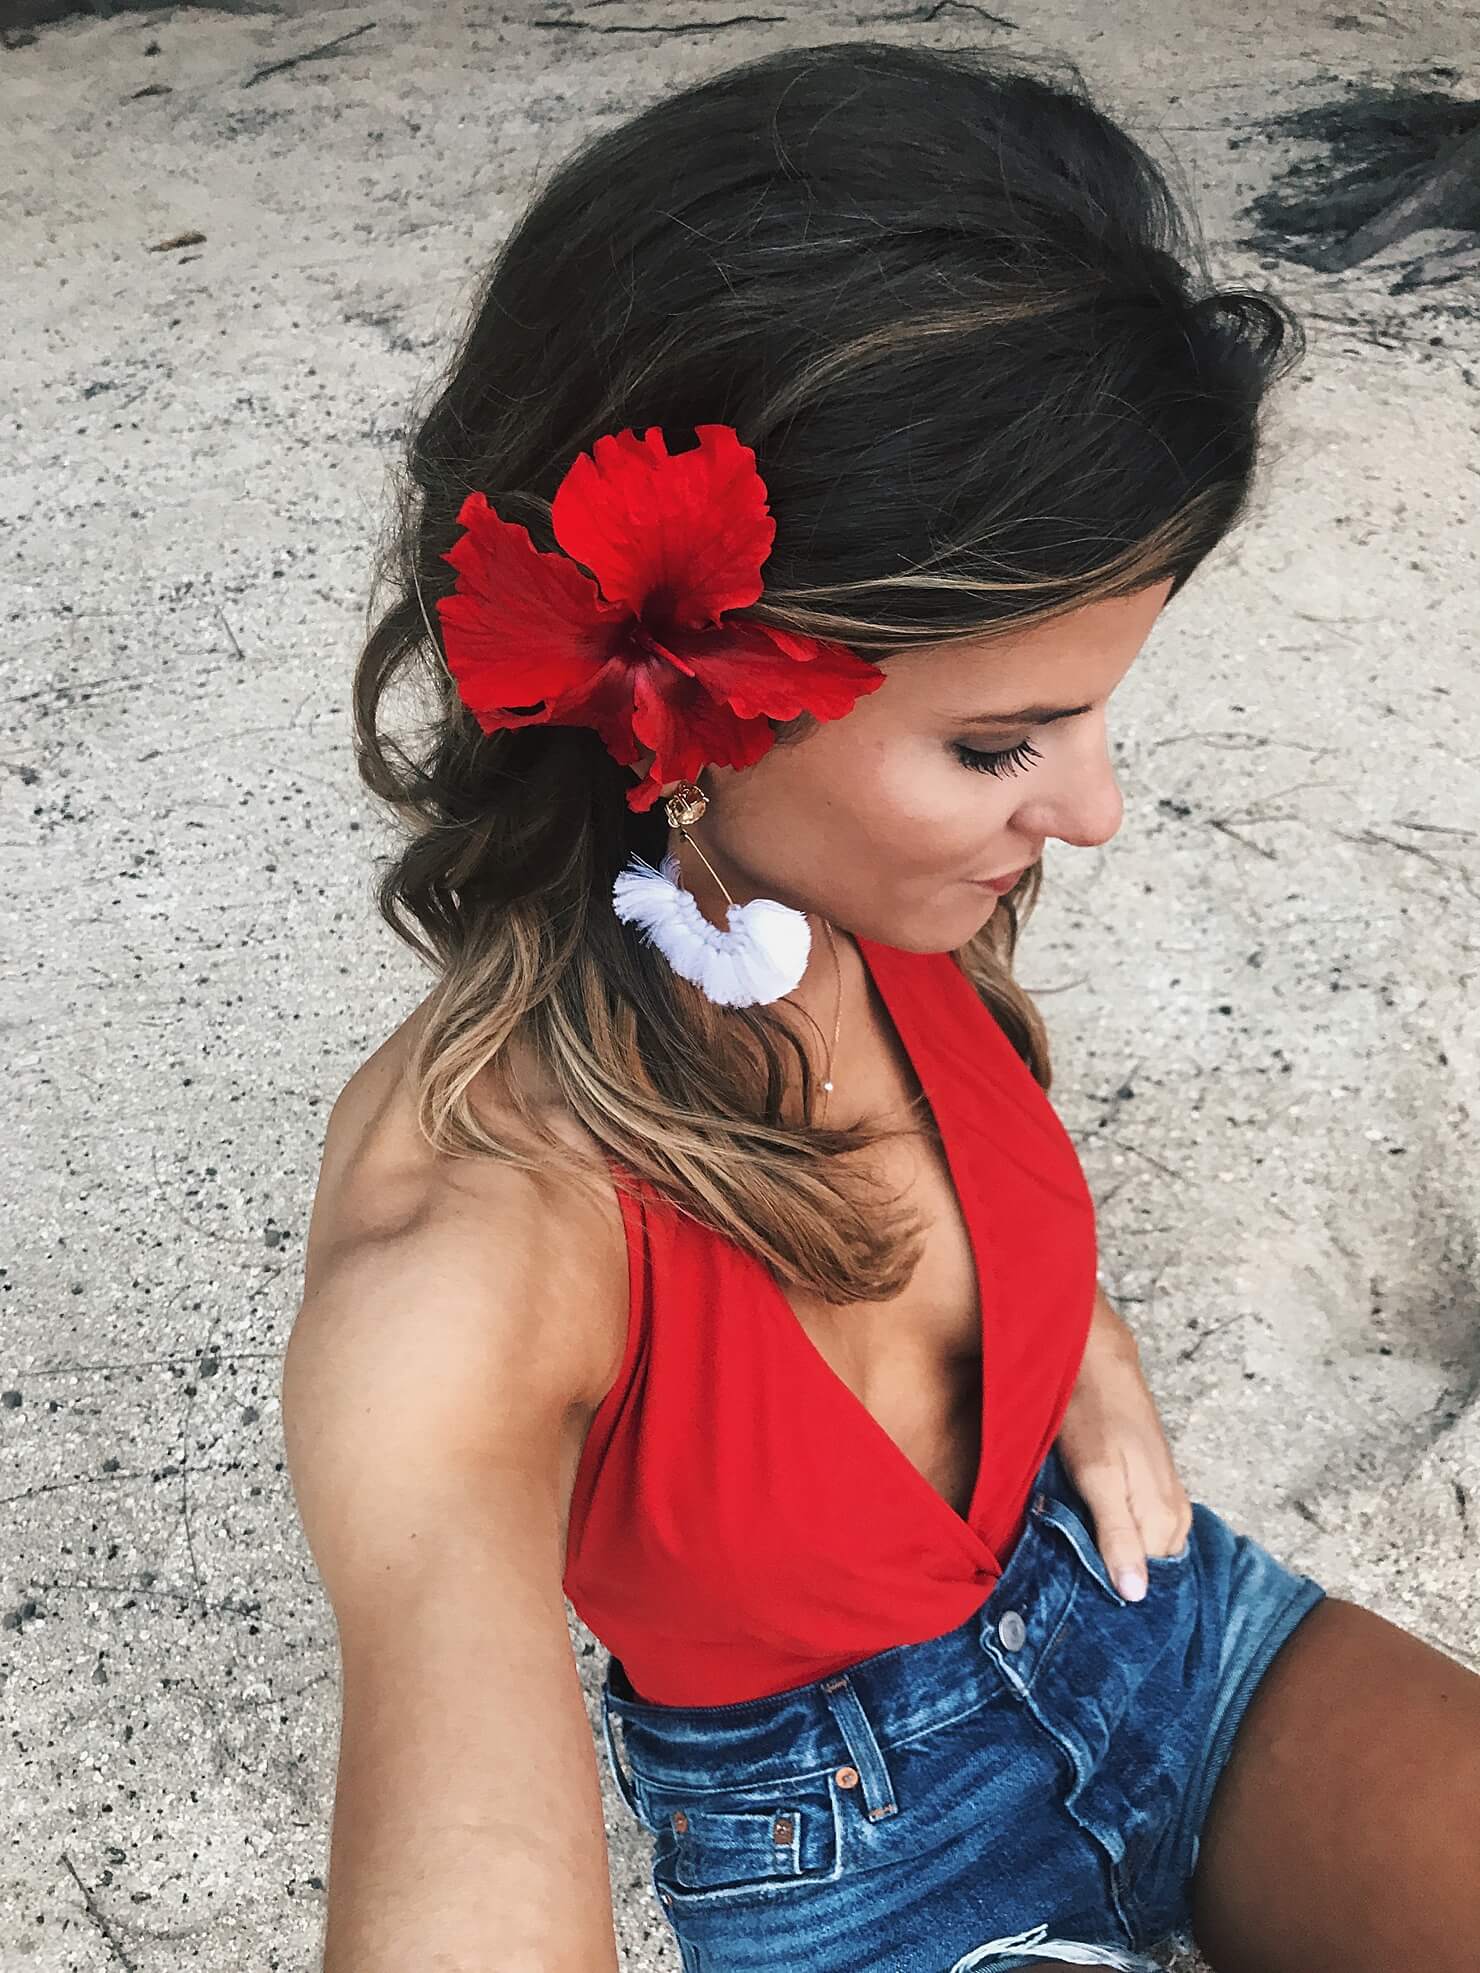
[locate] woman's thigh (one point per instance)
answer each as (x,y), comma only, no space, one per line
(1344,1833)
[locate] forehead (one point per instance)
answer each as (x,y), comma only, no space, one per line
(1078,656)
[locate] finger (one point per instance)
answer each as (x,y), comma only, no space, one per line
(1175,1542)
(1160,1503)
(1119,1541)
(1174,1516)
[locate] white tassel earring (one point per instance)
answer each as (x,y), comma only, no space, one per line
(762,956)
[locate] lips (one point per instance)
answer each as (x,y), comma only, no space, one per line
(1001,884)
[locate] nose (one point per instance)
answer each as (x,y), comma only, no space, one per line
(1083,806)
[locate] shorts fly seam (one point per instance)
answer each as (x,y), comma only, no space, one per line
(1023,1687)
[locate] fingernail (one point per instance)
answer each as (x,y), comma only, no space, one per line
(1131,1584)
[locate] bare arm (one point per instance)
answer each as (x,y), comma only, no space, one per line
(435,1396)
(1108,1321)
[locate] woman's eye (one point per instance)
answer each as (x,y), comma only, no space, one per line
(1012,761)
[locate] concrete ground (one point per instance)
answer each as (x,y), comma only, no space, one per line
(1263,992)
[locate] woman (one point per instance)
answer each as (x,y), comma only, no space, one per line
(824,446)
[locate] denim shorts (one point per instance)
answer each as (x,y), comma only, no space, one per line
(1028,1786)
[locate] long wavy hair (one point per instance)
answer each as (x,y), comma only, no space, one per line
(960,318)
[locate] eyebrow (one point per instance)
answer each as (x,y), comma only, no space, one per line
(1024,716)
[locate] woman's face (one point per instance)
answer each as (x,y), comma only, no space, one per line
(880,821)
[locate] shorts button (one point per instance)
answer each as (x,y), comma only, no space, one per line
(680,1821)
(846,1777)
(782,1829)
(1012,1630)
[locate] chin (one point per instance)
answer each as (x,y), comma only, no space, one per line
(939,939)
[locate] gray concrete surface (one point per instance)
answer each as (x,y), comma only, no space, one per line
(1263,991)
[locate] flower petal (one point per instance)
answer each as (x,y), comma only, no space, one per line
(687,731)
(522,626)
(674,539)
(756,668)
(605,701)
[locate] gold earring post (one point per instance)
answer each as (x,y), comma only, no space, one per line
(685,805)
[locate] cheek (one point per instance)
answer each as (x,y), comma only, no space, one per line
(922,807)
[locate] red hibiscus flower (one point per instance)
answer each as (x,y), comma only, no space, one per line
(636,647)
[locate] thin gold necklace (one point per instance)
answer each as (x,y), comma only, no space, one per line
(837,1015)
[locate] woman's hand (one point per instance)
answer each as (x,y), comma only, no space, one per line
(1115,1451)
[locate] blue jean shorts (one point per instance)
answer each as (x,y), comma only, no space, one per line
(1029,1786)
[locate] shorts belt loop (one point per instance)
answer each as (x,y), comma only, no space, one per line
(870,1769)
(613,1759)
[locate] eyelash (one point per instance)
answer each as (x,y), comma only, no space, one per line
(1012,761)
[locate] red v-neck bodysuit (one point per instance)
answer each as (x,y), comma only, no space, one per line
(740,1523)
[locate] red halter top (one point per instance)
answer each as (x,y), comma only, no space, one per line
(740,1523)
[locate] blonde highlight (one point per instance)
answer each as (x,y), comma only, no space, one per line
(1106,442)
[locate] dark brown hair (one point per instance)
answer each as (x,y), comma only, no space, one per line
(959,316)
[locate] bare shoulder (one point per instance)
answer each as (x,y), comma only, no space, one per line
(499,1278)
